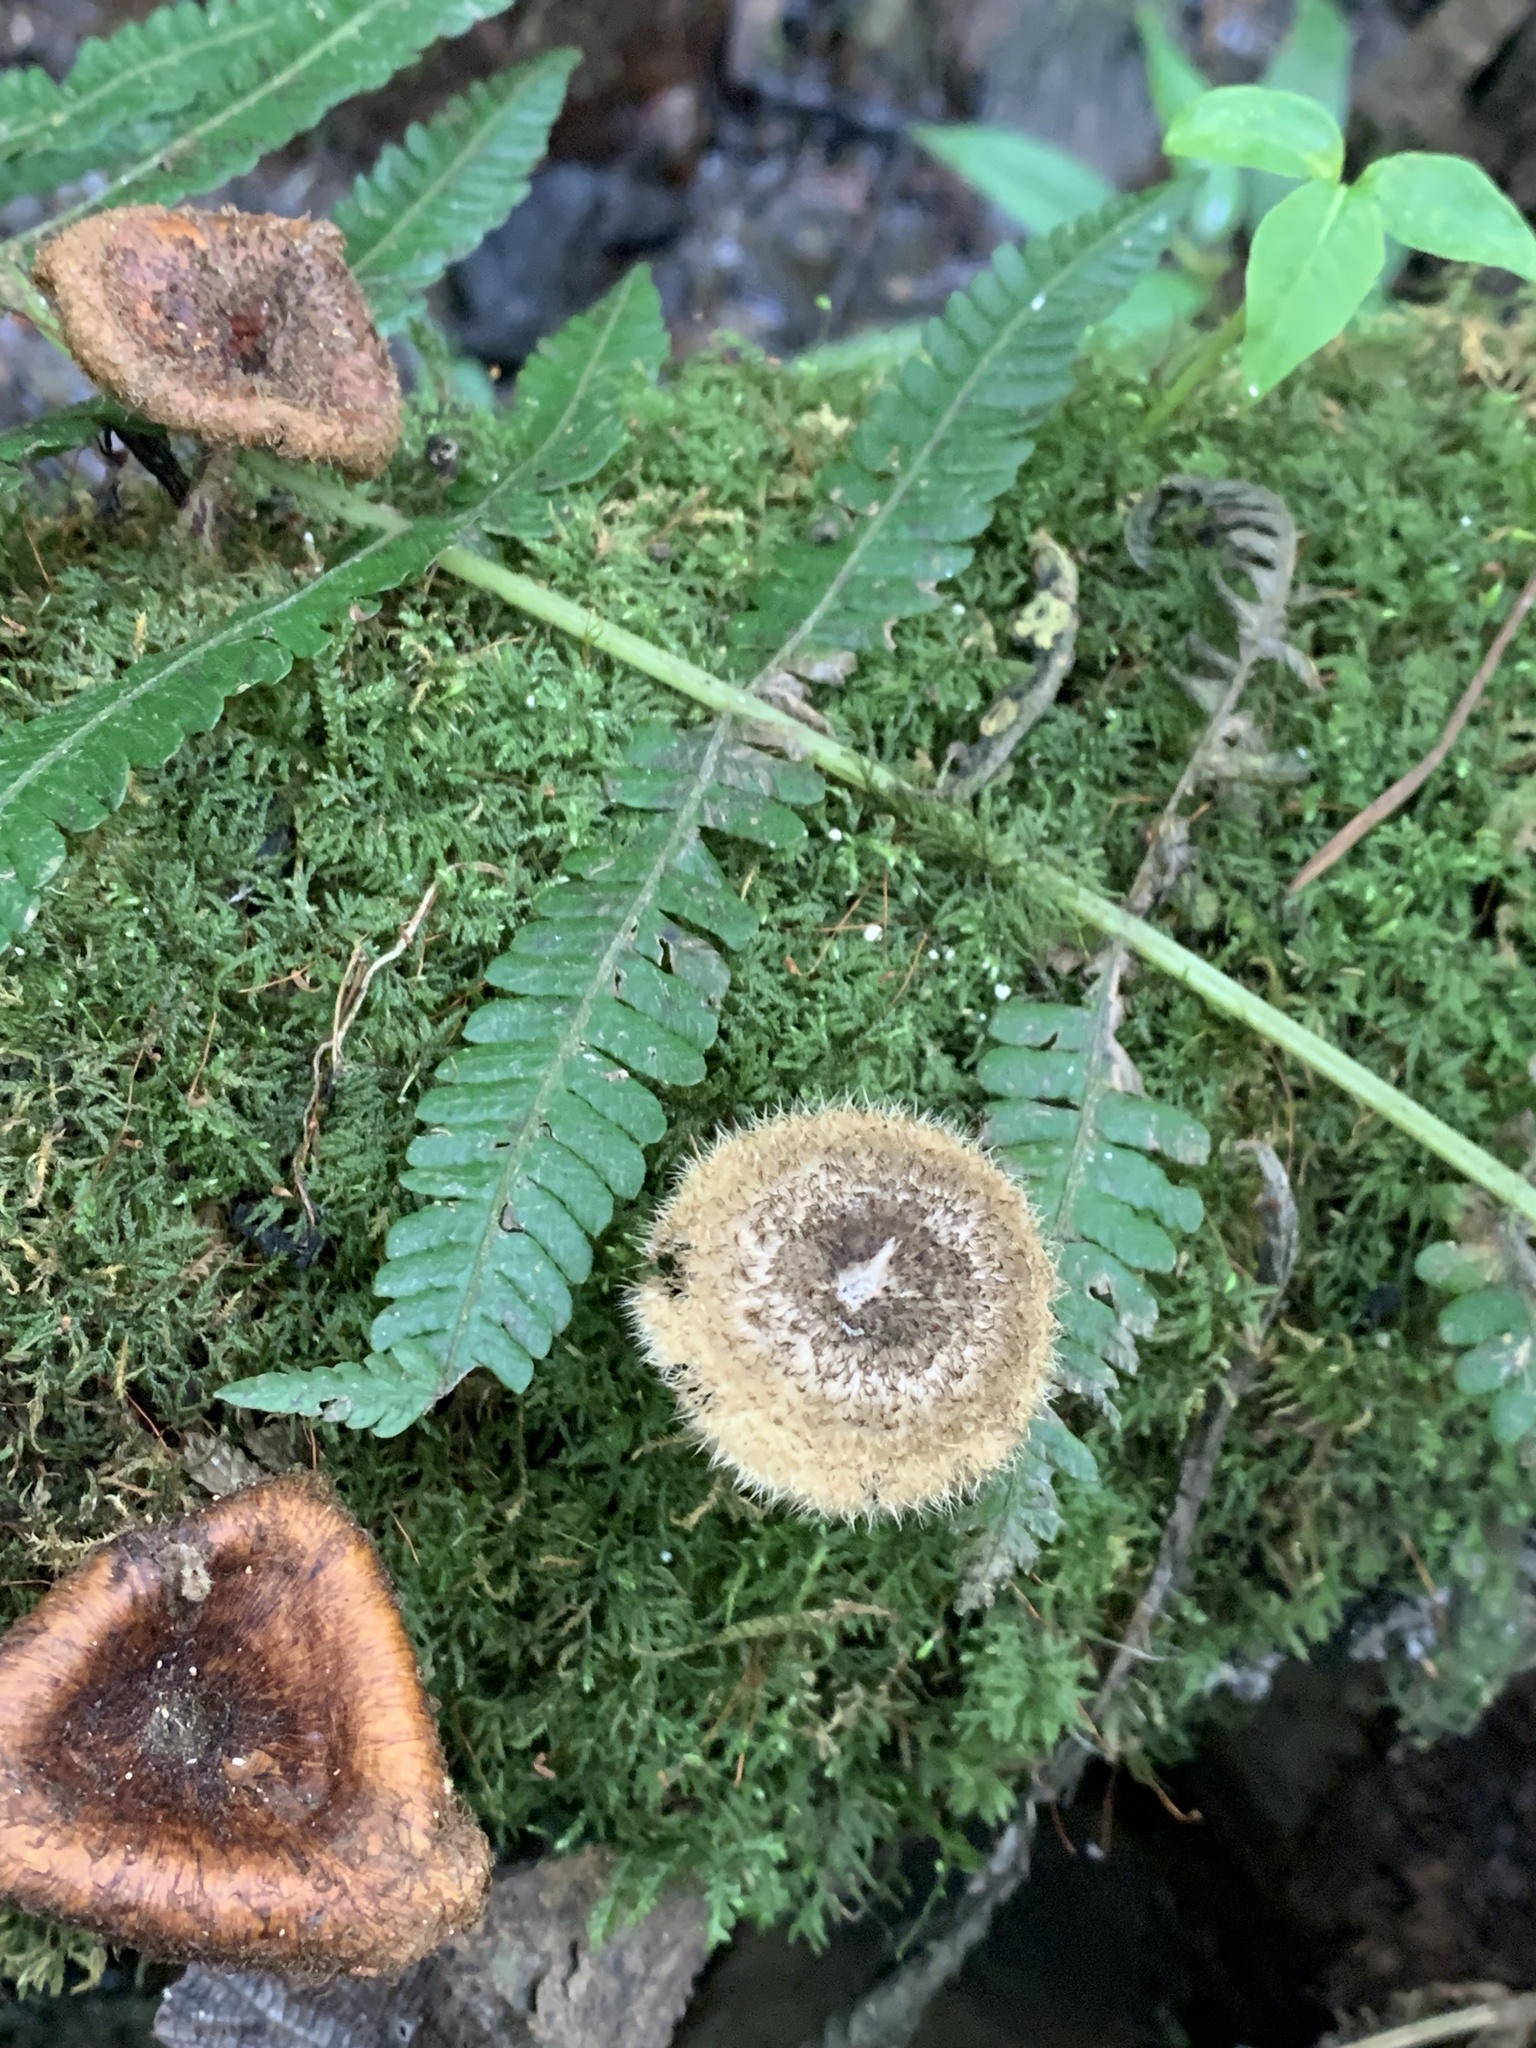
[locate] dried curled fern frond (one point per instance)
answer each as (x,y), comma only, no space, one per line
(1069,1116)
(539,1121)
(946,438)
(436,196)
(1256,537)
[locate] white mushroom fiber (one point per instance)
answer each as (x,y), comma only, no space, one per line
(853,1308)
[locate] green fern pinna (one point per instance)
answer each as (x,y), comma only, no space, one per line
(486,684)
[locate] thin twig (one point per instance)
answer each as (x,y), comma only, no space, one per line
(1410,784)
(326,1064)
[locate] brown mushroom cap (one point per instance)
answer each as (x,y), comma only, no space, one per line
(853,1308)
(242,328)
(214,1745)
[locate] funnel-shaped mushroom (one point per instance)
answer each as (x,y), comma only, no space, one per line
(214,1744)
(853,1309)
(242,328)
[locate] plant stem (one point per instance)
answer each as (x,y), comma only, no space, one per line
(1202,366)
(589,627)
(846,765)
(1232,999)
(1441,2026)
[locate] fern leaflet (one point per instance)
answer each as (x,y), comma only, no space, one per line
(125,91)
(434,198)
(312,55)
(1492,1320)
(572,399)
(946,437)
(67,768)
(1069,1119)
(538,1121)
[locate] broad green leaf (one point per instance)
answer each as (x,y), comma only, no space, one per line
(434,198)
(1450,207)
(1172,80)
(1174,84)
(1314,258)
(1259,130)
(1456,1268)
(1314,60)
(1033,183)
(1492,1322)
(1490,1312)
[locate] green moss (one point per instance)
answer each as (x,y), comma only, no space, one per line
(623,1649)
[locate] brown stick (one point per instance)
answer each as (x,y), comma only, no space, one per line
(1408,785)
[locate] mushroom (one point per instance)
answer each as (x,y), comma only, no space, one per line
(246,329)
(214,1746)
(853,1308)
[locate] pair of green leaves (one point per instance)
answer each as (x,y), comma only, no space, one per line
(1042,186)
(1317,254)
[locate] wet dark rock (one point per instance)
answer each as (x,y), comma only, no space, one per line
(580,226)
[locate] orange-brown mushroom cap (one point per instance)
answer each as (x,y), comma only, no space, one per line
(242,328)
(214,1745)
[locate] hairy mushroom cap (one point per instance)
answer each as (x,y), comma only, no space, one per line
(242,328)
(853,1309)
(214,1746)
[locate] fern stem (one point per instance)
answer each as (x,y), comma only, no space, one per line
(1219,990)
(593,630)
(1230,998)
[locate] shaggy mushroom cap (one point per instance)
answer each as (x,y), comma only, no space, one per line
(852,1308)
(242,328)
(214,1746)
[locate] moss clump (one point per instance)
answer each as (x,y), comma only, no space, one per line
(625,1650)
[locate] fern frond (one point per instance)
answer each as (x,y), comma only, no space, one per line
(1492,1320)
(573,396)
(124,91)
(438,195)
(260,93)
(67,768)
(1068,1117)
(946,437)
(538,1122)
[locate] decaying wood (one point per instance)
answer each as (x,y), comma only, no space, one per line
(527,1977)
